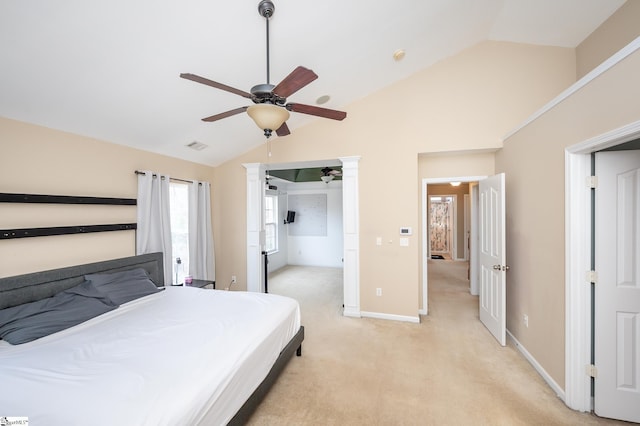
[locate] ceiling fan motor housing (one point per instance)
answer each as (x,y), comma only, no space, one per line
(263,93)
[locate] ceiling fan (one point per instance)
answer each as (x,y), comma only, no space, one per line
(271,110)
(329,174)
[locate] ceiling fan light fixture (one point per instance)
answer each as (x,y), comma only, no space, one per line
(327,178)
(268,116)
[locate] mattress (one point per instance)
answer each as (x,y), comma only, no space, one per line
(185,356)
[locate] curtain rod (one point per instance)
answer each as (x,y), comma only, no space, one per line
(138,172)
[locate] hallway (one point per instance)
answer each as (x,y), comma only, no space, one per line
(447,370)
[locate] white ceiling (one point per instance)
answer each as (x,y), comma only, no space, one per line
(110,70)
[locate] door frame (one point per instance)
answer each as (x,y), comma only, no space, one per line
(424,309)
(255,180)
(578,247)
(467,224)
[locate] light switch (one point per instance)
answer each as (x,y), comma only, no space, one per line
(404,242)
(379,241)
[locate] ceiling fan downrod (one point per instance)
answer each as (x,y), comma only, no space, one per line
(266,9)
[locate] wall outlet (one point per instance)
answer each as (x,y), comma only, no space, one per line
(378,291)
(525,319)
(233,279)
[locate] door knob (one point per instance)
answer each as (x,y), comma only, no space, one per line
(505,268)
(497,267)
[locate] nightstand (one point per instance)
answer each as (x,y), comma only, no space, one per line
(202,284)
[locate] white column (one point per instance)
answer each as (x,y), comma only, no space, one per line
(351,230)
(255,226)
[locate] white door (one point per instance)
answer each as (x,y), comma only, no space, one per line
(492,256)
(617,292)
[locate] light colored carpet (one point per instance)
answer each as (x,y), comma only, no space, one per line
(447,370)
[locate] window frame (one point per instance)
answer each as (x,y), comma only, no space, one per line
(271,224)
(178,274)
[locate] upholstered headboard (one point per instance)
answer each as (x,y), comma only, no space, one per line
(39,285)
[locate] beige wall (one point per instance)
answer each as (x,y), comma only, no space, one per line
(38,160)
(614,34)
(533,160)
(466,102)
(456,164)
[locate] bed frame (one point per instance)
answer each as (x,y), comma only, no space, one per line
(40,285)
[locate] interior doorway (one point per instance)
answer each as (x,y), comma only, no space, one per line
(578,241)
(440,187)
(256,179)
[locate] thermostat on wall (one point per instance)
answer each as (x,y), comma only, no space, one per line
(405,231)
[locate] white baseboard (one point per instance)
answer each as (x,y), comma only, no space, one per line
(547,378)
(391,317)
(353,313)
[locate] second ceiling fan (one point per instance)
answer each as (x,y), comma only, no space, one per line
(271,110)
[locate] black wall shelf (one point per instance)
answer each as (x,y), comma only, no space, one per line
(64,199)
(7,234)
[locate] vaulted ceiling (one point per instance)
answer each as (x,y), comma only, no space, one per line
(110,70)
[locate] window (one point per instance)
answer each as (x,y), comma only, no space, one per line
(179,202)
(271,223)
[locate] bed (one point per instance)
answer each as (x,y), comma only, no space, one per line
(177,355)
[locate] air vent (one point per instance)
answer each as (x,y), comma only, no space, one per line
(198,146)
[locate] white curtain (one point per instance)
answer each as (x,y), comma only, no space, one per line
(154,224)
(201,256)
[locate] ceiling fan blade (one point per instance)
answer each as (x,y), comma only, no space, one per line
(295,81)
(320,112)
(283,130)
(330,172)
(215,84)
(225,114)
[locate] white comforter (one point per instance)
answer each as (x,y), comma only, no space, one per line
(184,356)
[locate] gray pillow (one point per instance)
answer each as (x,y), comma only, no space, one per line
(124,286)
(30,321)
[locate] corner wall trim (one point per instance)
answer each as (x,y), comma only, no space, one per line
(255,178)
(351,236)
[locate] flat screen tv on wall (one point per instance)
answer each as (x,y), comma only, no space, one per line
(291,217)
